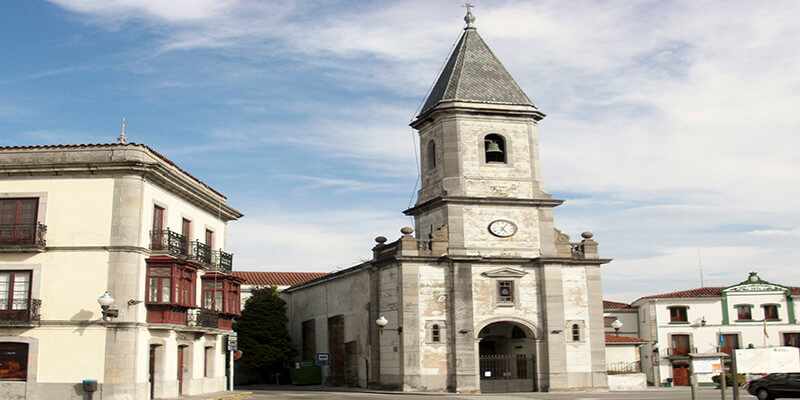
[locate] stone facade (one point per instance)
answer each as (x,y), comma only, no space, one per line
(487,295)
(94,220)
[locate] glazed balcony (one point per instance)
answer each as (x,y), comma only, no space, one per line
(169,243)
(22,237)
(21,312)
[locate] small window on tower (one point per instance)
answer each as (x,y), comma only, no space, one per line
(494,147)
(505,292)
(576,333)
(436,335)
(431,155)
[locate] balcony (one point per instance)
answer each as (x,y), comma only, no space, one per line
(203,318)
(22,237)
(201,253)
(680,351)
(21,312)
(221,262)
(169,242)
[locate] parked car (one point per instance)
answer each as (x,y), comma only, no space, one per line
(775,386)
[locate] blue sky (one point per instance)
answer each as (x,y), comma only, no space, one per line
(672,129)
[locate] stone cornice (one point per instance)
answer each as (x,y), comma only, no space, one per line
(115,160)
(499,201)
(465,107)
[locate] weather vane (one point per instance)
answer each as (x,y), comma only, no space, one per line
(469,18)
(122,139)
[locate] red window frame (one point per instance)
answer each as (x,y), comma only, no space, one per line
(18,218)
(186,231)
(210,238)
(222,294)
(158,218)
(13,361)
(14,298)
(179,280)
(771,312)
(678,314)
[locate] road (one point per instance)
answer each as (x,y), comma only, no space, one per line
(283,392)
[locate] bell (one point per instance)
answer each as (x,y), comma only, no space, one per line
(492,147)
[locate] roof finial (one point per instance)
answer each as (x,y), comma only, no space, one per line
(122,139)
(469,18)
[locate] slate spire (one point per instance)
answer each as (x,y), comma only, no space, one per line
(474,74)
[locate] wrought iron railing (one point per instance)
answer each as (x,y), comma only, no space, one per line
(624,367)
(169,242)
(201,252)
(25,310)
(222,262)
(32,234)
(204,318)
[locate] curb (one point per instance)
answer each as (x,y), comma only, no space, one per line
(232,396)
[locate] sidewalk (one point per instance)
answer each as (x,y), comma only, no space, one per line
(226,395)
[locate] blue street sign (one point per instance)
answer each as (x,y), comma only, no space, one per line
(323,359)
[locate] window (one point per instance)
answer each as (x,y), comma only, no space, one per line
(494,147)
(160,288)
(18,221)
(505,292)
(678,314)
(743,313)
(210,238)
(680,345)
(770,312)
(436,334)
(186,231)
(431,155)
(13,361)
(791,339)
(576,333)
(158,218)
(212,294)
(15,290)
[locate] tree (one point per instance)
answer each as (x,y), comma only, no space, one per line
(262,334)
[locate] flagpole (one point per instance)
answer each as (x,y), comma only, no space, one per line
(766,335)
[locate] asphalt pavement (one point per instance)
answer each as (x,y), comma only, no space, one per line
(262,392)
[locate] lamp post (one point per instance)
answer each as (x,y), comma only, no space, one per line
(381,322)
(105,302)
(617,325)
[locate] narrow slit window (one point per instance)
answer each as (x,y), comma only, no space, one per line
(431,155)
(436,334)
(576,333)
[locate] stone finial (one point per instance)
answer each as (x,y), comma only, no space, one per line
(469,18)
(122,139)
(587,235)
(406,230)
(380,239)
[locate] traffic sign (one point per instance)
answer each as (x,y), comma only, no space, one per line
(323,359)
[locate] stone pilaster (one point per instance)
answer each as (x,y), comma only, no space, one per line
(463,358)
(555,359)
(596,326)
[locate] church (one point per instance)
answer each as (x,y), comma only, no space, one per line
(484,293)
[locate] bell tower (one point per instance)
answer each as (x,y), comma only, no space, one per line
(480,159)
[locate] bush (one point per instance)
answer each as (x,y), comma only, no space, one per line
(728,379)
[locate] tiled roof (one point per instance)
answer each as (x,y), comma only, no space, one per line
(624,339)
(607,304)
(96,145)
(259,278)
(473,73)
(709,291)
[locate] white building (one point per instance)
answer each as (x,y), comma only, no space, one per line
(77,221)
(753,313)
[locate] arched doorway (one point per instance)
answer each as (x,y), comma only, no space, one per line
(507,358)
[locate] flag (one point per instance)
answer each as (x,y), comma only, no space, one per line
(765,329)
(720,339)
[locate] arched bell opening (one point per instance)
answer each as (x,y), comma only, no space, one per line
(507,357)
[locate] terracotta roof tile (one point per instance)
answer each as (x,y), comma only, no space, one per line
(624,339)
(260,278)
(709,291)
(95,145)
(607,304)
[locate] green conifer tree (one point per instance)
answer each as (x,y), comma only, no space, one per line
(262,334)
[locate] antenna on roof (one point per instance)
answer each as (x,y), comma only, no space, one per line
(122,139)
(700,265)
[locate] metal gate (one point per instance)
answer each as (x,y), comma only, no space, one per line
(507,373)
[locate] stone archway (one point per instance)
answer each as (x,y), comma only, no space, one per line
(507,356)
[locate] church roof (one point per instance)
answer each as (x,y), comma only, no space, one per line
(474,74)
(261,278)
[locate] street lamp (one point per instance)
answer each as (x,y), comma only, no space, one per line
(617,325)
(381,322)
(105,302)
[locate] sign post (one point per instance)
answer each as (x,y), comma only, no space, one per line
(323,359)
(707,364)
(232,347)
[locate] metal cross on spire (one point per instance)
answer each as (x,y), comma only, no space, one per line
(122,139)
(469,18)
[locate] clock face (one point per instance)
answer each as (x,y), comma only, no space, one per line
(502,228)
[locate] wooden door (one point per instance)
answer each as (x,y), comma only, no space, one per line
(151,375)
(680,375)
(180,369)
(336,349)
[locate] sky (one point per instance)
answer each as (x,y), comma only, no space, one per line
(672,128)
